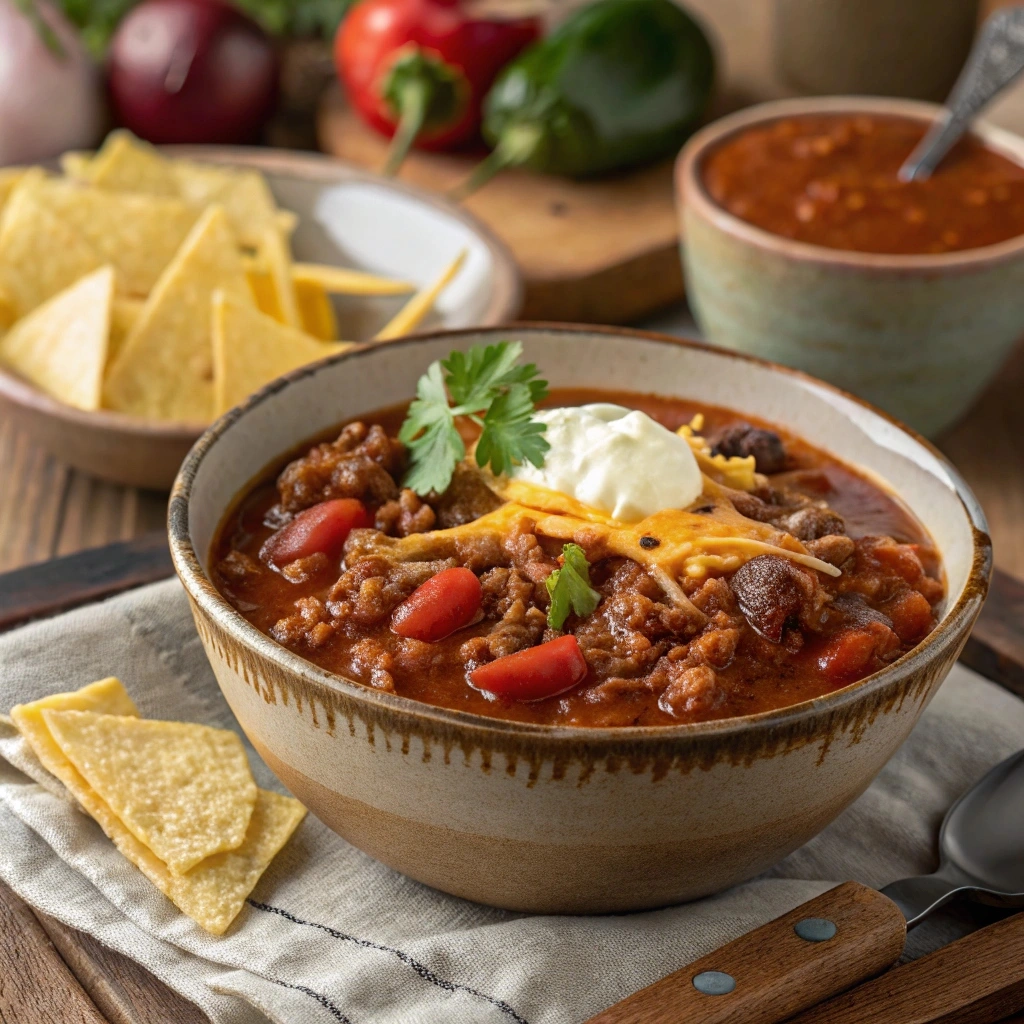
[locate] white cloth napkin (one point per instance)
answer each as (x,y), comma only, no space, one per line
(330,935)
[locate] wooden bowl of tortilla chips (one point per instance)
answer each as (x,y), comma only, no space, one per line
(143,292)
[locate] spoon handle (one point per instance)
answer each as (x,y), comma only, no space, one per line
(850,933)
(996,59)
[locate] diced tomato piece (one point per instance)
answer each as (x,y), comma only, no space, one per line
(851,653)
(911,615)
(321,528)
(901,559)
(535,673)
(435,609)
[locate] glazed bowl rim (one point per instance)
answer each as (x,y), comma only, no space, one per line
(313,168)
(693,194)
(951,630)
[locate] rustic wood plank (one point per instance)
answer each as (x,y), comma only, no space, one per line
(996,646)
(36,986)
(975,980)
(124,991)
(62,583)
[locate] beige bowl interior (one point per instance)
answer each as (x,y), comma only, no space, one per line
(317,398)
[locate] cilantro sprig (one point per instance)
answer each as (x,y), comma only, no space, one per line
(486,385)
(570,587)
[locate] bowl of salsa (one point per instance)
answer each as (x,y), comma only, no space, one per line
(803,245)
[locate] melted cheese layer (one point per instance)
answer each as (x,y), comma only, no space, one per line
(715,540)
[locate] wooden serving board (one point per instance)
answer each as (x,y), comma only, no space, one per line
(603,251)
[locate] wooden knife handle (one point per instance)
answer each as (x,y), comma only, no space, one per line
(774,972)
(977,979)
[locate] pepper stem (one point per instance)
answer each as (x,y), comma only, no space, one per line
(516,146)
(423,93)
(414,105)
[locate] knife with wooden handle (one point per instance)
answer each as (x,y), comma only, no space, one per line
(825,946)
(976,980)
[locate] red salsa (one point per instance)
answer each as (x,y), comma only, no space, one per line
(311,555)
(830,180)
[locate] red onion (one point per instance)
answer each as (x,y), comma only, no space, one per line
(192,71)
(49,101)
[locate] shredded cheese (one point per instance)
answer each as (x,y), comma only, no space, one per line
(690,543)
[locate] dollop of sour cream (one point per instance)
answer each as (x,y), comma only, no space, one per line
(617,460)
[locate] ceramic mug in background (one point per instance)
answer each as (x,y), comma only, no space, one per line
(909,48)
(918,335)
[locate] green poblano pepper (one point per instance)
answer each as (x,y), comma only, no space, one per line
(620,82)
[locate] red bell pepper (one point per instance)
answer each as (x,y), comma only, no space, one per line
(418,70)
(437,608)
(535,673)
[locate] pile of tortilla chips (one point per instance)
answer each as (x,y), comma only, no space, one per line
(177,799)
(163,288)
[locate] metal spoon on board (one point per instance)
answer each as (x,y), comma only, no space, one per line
(995,60)
(849,933)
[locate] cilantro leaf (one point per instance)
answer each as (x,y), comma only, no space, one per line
(510,436)
(486,385)
(429,431)
(570,587)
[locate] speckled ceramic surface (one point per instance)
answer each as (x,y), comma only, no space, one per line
(552,819)
(919,336)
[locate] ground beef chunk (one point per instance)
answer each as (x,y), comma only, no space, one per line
(310,624)
(238,567)
(467,498)
(368,591)
(690,690)
(524,551)
(404,515)
(362,463)
(772,591)
(373,662)
(835,549)
(518,607)
(303,569)
(743,440)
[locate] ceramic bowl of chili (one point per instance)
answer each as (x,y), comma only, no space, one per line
(506,806)
(802,246)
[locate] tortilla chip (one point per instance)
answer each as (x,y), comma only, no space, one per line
(274,251)
(214,891)
(124,313)
(9,177)
(165,369)
(184,790)
(263,291)
(250,349)
(61,346)
(342,281)
(316,311)
(244,194)
(40,253)
(76,165)
(138,234)
(127,164)
(412,314)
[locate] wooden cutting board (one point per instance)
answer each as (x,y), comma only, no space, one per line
(604,251)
